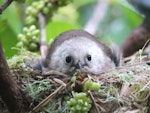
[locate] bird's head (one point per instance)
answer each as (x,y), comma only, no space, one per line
(78,49)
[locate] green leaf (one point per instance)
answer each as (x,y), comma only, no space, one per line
(54,28)
(126,4)
(80,3)
(10,26)
(85,13)
(11,14)
(8,40)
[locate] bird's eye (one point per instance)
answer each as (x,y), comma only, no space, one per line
(89,58)
(68,59)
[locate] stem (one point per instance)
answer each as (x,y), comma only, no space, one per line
(5,5)
(97,17)
(94,103)
(42,24)
(47,99)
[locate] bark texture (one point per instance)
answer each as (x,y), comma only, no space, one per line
(9,90)
(136,39)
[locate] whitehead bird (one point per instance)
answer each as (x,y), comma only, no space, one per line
(77,49)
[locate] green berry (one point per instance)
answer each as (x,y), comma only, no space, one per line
(79,95)
(73,79)
(20,36)
(25,42)
(95,86)
(87,85)
(36,32)
(88,100)
(49,5)
(84,109)
(19,44)
(45,10)
(78,107)
(90,85)
(28,36)
(30,20)
(25,30)
(29,10)
(35,5)
(33,46)
(73,109)
(72,101)
(32,28)
(79,103)
(41,5)
(34,12)
(34,38)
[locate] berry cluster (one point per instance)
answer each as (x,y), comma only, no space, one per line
(29,38)
(32,11)
(80,103)
(90,85)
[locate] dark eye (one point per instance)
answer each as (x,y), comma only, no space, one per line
(68,59)
(89,58)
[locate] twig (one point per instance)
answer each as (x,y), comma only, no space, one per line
(9,90)
(140,63)
(5,5)
(124,90)
(93,100)
(47,99)
(53,72)
(146,43)
(97,17)
(119,68)
(42,24)
(141,50)
(146,86)
(133,111)
(130,58)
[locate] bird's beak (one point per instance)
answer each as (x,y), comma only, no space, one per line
(79,65)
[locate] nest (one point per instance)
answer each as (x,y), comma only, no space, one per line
(123,90)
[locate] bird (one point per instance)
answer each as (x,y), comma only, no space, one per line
(78,49)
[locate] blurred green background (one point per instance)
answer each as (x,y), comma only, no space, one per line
(121,18)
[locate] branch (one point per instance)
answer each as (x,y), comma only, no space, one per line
(9,90)
(42,24)
(97,17)
(5,5)
(93,100)
(137,39)
(47,99)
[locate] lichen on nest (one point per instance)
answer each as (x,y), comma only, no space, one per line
(124,89)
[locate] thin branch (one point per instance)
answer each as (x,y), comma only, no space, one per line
(9,90)
(5,5)
(42,24)
(139,37)
(134,111)
(97,17)
(93,100)
(124,90)
(47,99)
(53,72)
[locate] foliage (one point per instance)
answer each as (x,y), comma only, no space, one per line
(120,19)
(29,39)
